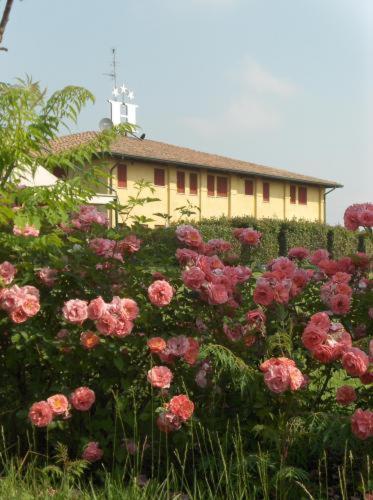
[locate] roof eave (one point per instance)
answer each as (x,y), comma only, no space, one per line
(234,171)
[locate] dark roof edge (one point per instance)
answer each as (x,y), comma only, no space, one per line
(234,171)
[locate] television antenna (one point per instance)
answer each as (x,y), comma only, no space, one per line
(114,64)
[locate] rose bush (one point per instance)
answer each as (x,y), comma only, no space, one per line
(94,329)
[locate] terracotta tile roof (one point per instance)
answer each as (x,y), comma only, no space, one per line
(159,152)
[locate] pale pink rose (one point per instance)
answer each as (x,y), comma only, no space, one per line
(168,422)
(106,324)
(299,253)
(123,327)
(160,377)
(40,414)
(276,378)
(130,308)
(59,404)
(47,276)
(130,244)
(92,452)
(160,293)
(7,272)
(96,308)
(178,346)
(75,311)
(26,231)
(345,395)
(263,295)
(30,290)
(82,398)
(30,305)
(362,423)
(201,379)
(189,235)
(296,378)
(18,315)
(181,406)
(355,362)
(193,278)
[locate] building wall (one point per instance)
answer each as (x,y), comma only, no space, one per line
(236,203)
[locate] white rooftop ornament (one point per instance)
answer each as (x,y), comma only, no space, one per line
(120,109)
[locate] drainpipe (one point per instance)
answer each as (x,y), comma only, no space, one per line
(112,190)
(325,194)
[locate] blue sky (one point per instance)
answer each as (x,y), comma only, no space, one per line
(285,83)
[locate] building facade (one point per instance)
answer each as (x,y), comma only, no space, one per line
(214,185)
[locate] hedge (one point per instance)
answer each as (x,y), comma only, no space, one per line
(278,237)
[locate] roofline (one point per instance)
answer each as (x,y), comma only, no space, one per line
(234,171)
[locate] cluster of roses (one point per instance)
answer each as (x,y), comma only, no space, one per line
(27,231)
(192,238)
(215,282)
(115,318)
(337,293)
(329,341)
(181,346)
(281,374)
(359,215)
(7,273)
(42,413)
(86,217)
(111,249)
(20,303)
(255,324)
(282,282)
(247,236)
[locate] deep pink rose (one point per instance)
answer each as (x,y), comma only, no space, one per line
(193,278)
(216,294)
(92,452)
(299,253)
(263,294)
(345,395)
(82,398)
(40,414)
(355,362)
(362,423)
(189,235)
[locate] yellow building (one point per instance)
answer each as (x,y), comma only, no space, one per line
(216,184)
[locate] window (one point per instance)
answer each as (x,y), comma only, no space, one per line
(249,187)
(180,182)
(266,191)
(122,175)
(222,186)
(293,194)
(59,172)
(302,195)
(211,185)
(193,184)
(159,177)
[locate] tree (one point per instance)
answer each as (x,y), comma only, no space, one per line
(4,20)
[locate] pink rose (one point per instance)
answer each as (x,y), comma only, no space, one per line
(340,303)
(321,320)
(299,253)
(160,293)
(193,278)
(160,377)
(7,272)
(313,336)
(75,311)
(40,414)
(263,294)
(168,422)
(191,355)
(355,362)
(96,308)
(130,308)
(182,407)
(178,346)
(47,276)
(216,294)
(189,235)
(318,256)
(30,305)
(89,340)
(276,378)
(59,404)
(92,452)
(18,315)
(296,378)
(82,398)
(345,395)
(362,423)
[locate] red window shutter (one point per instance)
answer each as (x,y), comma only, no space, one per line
(302,195)
(193,184)
(180,181)
(211,185)
(249,187)
(222,186)
(159,177)
(122,175)
(265,191)
(293,194)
